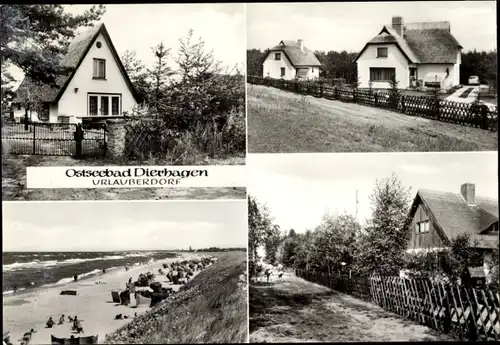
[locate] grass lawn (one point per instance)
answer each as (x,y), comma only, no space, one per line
(211,308)
(296,310)
(14,185)
(284,122)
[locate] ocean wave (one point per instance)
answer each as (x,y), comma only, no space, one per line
(68,280)
(51,263)
(10,292)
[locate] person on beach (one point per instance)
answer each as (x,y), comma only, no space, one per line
(27,337)
(15,288)
(103,270)
(50,323)
(75,277)
(6,338)
(61,320)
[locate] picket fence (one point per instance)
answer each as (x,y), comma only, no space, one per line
(465,114)
(465,312)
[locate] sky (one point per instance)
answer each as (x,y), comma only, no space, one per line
(348,26)
(129,225)
(138,27)
(299,189)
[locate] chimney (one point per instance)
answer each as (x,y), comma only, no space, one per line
(397,25)
(300,42)
(468,192)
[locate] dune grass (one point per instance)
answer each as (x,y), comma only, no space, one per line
(284,122)
(212,308)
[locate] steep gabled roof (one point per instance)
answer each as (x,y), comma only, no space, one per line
(421,42)
(455,217)
(297,57)
(77,51)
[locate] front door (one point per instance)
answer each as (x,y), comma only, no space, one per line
(413,76)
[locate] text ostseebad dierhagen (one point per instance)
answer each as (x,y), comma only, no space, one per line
(136,176)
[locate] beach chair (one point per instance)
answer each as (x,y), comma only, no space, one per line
(116,296)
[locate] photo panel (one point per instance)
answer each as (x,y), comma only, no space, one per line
(107,272)
(101,92)
(411,76)
(368,247)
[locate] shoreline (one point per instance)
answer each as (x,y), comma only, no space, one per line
(89,275)
(92,304)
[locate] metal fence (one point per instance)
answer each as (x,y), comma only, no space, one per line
(465,114)
(53,139)
(467,312)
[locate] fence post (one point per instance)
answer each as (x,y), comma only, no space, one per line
(403,104)
(484,116)
(26,119)
(321,90)
(34,137)
(335,93)
(437,109)
(78,140)
(354,96)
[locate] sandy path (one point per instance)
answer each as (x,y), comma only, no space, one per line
(297,311)
(93,305)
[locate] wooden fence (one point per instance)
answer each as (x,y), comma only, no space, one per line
(465,114)
(466,312)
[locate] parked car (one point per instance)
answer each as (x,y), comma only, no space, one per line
(473,80)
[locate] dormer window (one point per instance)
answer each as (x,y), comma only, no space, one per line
(422,227)
(99,69)
(382,52)
(277,56)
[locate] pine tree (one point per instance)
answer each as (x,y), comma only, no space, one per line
(160,75)
(35,37)
(138,74)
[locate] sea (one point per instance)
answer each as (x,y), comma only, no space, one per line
(31,270)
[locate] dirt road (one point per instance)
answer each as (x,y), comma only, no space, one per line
(296,310)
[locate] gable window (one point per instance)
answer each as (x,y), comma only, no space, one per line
(382,74)
(99,69)
(312,69)
(283,71)
(422,227)
(277,56)
(104,104)
(18,106)
(382,52)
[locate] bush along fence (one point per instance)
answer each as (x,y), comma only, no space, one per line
(465,312)
(465,114)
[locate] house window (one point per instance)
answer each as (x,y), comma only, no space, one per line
(99,69)
(93,105)
(382,52)
(104,104)
(312,69)
(282,71)
(18,106)
(277,56)
(115,105)
(382,74)
(422,227)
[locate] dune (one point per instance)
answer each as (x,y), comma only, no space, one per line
(93,304)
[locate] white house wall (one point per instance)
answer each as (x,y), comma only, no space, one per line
(75,103)
(272,68)
(312,72)
(395,59)
(452,80)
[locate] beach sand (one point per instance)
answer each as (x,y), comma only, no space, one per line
(93,304)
